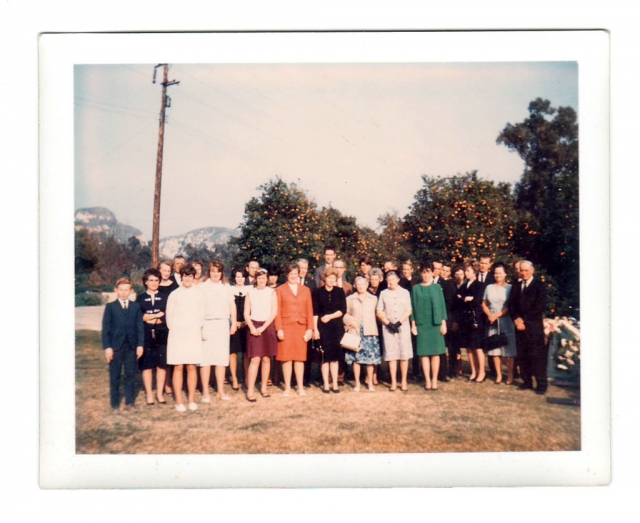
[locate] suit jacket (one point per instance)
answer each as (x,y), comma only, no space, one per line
(294,309)
(310,283)
(317,275)
(347,288)
(490,278)
(175,279)
(119,326)
(529,305)
(449,290)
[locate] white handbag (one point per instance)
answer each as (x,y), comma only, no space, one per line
(350,342)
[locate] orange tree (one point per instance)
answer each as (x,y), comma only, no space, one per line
(460,217)
(284,224)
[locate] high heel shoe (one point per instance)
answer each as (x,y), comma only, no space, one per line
(480,381)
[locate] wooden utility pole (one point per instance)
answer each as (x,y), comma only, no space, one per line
(155,241)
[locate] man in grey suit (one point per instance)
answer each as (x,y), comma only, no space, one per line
(329,256)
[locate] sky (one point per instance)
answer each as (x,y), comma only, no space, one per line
(355,136)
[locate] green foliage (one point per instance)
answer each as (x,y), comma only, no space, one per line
(100,260)
(220,251)
(392,243)
(88,299)
(460,217)
(279,226)
(547,196)
(87,256)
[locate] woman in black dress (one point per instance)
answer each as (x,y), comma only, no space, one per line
(154,305)
(238,342)
(471,333)
(329,305)
(167,285)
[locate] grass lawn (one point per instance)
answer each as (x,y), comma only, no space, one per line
(460,417)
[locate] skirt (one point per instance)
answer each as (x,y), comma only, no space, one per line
(293,347)
(369,353)
(215,347)
(264,345)
(155,350)
(397,346)
(239,341)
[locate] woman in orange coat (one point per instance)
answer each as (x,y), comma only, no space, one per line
(294,325)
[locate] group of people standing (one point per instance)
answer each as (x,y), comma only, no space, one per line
(191,319)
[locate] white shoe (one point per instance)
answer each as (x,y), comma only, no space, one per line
(286,393)
(181,408)
(205,400)
(193,406)
(225,397)
(356,389)
(301,392)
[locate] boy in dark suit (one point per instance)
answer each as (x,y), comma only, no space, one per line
(123,342)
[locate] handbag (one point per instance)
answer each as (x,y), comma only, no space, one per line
(350,342)
(317,352)
(495,341)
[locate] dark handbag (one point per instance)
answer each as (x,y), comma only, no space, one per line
(495,341)
(317,352)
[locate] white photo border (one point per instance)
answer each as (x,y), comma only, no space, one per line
(60,467)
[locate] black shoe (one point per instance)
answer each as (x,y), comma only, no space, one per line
(541,392)
(525,386)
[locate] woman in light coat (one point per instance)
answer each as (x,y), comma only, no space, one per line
(361,319)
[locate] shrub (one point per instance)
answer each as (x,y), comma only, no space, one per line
(89,299)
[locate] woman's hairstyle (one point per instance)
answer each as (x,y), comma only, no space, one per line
(168,263)
(392,272)
(426,267)
(260,272)
(237,270)
(457,268)
(498,265)
(358,279)
(197,262)
(150,272)
(328,272)
(274,269)
(217,264)
(290,268)
(188,270)
(473,263)
(376,271)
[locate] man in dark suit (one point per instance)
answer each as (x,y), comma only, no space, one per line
(329,257)
(303,272)
(527,306)
(252,267)
(179,261)
(485,276)
(123,342)
(449,290)
(407,274)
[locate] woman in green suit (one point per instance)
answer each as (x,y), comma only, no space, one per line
(429,324)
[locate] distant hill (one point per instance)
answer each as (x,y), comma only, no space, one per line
(205,237)
(100,219)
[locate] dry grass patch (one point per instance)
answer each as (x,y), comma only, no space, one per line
(460,417)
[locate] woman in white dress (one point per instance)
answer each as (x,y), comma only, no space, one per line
(495,305)
(219,323)
(394,310)
(185,316)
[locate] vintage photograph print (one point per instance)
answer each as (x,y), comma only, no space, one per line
(329,257)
